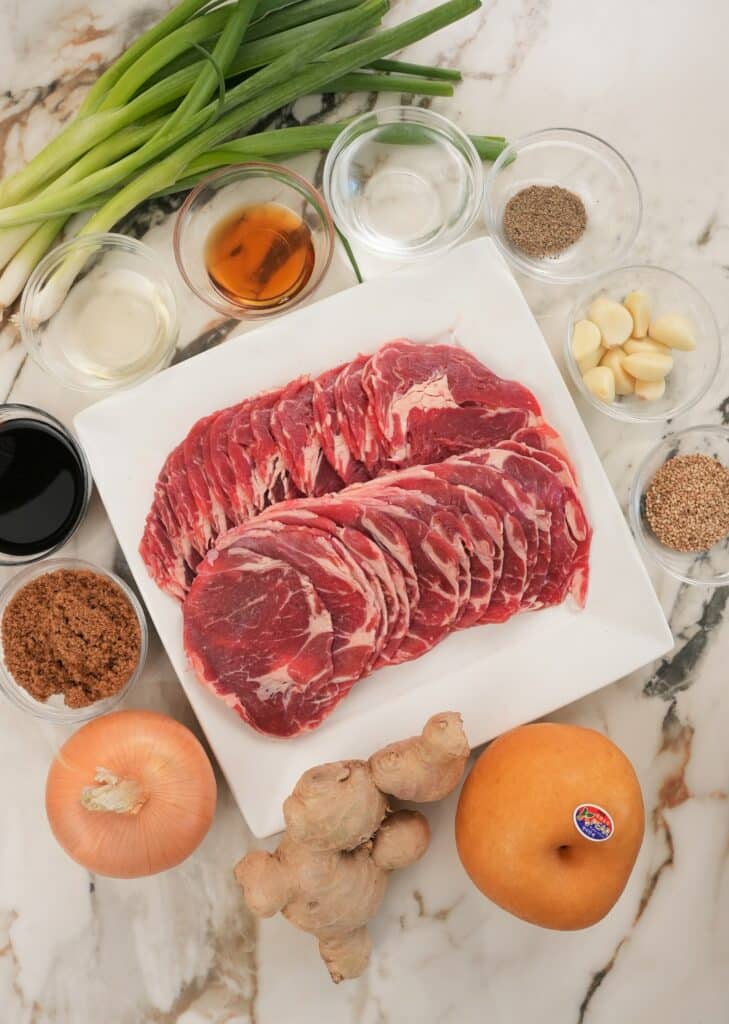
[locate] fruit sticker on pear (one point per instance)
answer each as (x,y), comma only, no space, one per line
(593,822)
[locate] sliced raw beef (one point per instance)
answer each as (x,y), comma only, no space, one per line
(552,496)
(221,475)
(211,510)
(325,529)
(196,526)
(545,437)
(259,471)
(439,564)
(337,579)
(177,528)
(330,429)
(294,430)
(166,565)
(427,502)
(573,511)
(269,465)
(510,584)
(385,533)
(383,573)
(258,635)
(432,401)
(359,426)
(483,526)
(534,521)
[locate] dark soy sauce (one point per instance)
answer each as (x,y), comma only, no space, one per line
(42,488)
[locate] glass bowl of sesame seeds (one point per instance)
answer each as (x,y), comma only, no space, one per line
(678,505)
(562,205)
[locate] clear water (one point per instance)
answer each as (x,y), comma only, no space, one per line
(402,197)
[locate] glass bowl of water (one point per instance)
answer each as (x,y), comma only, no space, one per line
(403,182)
(98,313)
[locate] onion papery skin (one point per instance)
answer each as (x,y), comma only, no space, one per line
(175,785)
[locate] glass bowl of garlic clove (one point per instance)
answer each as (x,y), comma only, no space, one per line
(642,344)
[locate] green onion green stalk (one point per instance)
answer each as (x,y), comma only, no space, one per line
(178,102)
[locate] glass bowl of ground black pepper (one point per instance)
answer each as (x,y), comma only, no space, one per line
(562,205)
(73,640)
(679,505)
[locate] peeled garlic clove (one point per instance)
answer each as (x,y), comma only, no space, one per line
(585,339)
(650,390)
(648,366)
(639,308)
(613,319)
(645,345)
(589,362)
(674,330)
(601,382)
(613,359)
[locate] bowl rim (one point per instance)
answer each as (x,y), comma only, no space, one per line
(616,410)
(63,715)
(392,115)
(29,332)
(263,169)
(635,494)
(24,409)
(540,270)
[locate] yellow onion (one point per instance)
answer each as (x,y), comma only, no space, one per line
(130,794)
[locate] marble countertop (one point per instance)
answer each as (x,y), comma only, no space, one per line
(180,948)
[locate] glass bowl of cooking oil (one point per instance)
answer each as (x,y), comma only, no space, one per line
(99,313)
(253,240)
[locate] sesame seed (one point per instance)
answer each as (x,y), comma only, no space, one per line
(687,503)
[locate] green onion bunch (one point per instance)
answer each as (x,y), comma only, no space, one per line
(179,102)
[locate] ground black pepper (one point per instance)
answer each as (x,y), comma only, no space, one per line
(543,221)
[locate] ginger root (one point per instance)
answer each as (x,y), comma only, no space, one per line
(402,839)
(346,955)
(426,767)
(334,806)
(329,873)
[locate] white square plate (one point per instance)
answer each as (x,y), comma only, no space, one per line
(497,676)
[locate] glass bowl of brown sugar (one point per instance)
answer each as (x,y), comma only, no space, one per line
(73,640)
(678,505)
(562,205)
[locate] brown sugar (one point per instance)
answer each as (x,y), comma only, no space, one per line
(71,632)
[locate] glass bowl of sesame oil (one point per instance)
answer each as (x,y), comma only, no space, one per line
(253,240)
(678,505)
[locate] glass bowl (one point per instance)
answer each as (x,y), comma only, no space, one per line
(224,193)
(9,413)
(403,182)
(99,314)
(585,165)
(55,709)
(710,567)
(693,372)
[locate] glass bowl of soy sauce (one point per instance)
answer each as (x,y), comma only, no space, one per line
(253,240)
(45,484)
